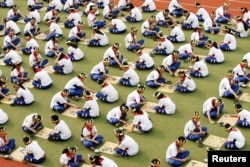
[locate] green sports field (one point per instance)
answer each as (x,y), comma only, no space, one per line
(166,128)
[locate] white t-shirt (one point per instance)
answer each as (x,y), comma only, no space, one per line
(177,31)
(63,129)
(57,98)
(132,76)
(14,56)
(193,20)
(54,27)
(202,12)
(136,13)
(166,45)
(26,94)
(3,117)
(217,53)
(111,93)
(76,52)
(208,23)
(32,43)
(240,27)
(230,40)
(106,162)
(239,70)
(224,86)
(168,105)
(244,115)
(144,121)
(57,4)
(64,159)
(114,113)
(130,145)
(150,4)
(89,134)
(97,69)
(172,151)
(72,82)
(235,134)
(201,67)
(186,48)
(12,25)
(189,84)
(133,97)
(67,65)
(189,127)
(35,149)
(75,17)
(129,39)
(247,57)
(118,24)
(44,77)
(28,121)
(153,75)
(209,104)
(93,107)
(148,60)
(34,59)
(173,5)
(103,38)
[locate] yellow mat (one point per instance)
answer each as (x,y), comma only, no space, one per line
(108,147)
(147,50)
(18,154)
(149,107)
(49,69)
(44,133)
(245,97)
(225,118)
(214,141)
(166,89)
(8,99)
(1,62)
(194,163)
(113,79)
(28,84)
(131,65)
(70,112)
(85,42)
(41,36)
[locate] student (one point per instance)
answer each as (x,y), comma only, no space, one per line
(108,92)
(101,161)
(135,14)
(148,6)
(63,64)
(6,145)
(126,146)
(32,123)
(130,76)
(175,8)
(89,136)
(90,108)
(59,101)
(193,129)
(185,83)
(212,108)
(190,21)
(23,95)
(228,87)
(243,116)
(118,115)
(76,87)
(171,63)
(34,153)
(175,154)
(176,34)
(136,98)
(41,79)
(131,42)
(222,15)
(155,78)
(69,157)
(215,55)
(235,139)
(199,68)
(4,90)
(61,130)
(141,121)
(165,104)
(201,13)
(229,42)
(3,117)
(98,38)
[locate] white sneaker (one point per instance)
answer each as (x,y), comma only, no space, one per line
(242,84)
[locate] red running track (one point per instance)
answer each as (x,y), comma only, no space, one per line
(209,5)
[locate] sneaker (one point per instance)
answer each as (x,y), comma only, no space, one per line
(9,157)
(1,55)
(243,85)
(75,98)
